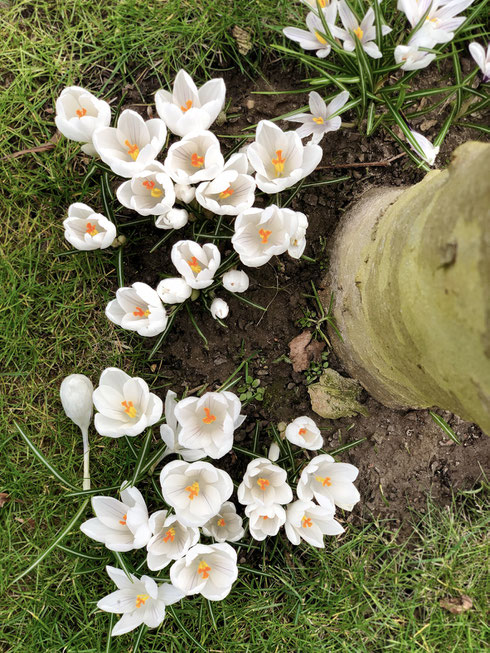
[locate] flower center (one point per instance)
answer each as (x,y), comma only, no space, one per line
(302,431)
(81,112)
(263,483)
(141,599)
(155,192)
(306,522)
(204,569)
(133,149)
(129,408)
(319,120)
(265,517)
(320,38)
(197,161)
(264,235)
(226,193)
(359,33)
(194,265)
(221,522)
(169,535)
(123,520)
(139,312)
(324,481)
(278,163)
(209,419)
(91,229)
(188,105)
(193,490)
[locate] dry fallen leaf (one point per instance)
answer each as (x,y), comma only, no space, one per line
(242,37)
(457,605)
(300,357)
(4,498)
(30,524)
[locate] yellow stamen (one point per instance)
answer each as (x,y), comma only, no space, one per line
(91,229)
(209,419)
(197,161)
(139,312)
(359,33)
(169,535)
(141,599)
(123,520)
(155,192)
(194,265)
(226,193)
(193,490)
(323,3)
(133,149)
(81,112)
(306,522)
(324,481)
(263,483)
(320,38)
(319,120)
(188,105)
(203,569)
(278,163)
(264,235)
(221,522)
(129,408)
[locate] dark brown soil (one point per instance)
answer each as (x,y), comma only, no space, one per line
(405,455)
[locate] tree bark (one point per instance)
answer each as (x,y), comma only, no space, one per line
(410,273)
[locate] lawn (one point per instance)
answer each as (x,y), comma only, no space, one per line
(371,589)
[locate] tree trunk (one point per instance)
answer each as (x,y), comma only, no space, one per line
(410,273)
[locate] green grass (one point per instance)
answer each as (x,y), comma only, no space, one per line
(366,592)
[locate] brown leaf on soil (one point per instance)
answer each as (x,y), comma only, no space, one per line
(300,358)
(30,524)
(4,498)
(457,605)
(242,37)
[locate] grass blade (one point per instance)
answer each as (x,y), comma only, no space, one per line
(142,456)
(444,426)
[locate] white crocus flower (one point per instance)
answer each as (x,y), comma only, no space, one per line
(412,58)
(236,281)
(87,230)
(429,151)
(219,308)
(170,431)
(481,58)
(125,404)
(185,193)
(149,192)
(76,397)
(140,601)
(307,521)
(195,490)
(297,242)
(131,146)
(329,483)
(174,290)
(264,521)
(79,114)
(441,20)
(139,309)
(188,109)
(226,526)
(280,158)
(209,570)
(171,540)
(303,432)
(364,32)
(318,122)
(231,191)
(173,219)
(264,484)
(197,157)
(120,525)
(261,234)
(208,422)
(314,38)
(196,263)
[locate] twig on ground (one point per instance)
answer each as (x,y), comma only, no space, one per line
(368,164)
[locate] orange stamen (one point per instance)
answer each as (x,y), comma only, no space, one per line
(141,599)
(129,408)
(188,105)
(264,235)
(226,193)
(324,481)
(155,192)
(221,522)
(81,112)
(302,431)
(196,160)
(194,265)
(265,517)
(193,490)
(133,149)
(169,535)
(139,312)
(209,419)
(123,520)
(279,163)
(91,229)
(203,569)
(306,522)
(263,483)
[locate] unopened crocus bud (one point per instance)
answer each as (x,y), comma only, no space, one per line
(76,396)
(184,192)
(174,219)
(274,452)
(174,291)
(236,281)
(219,308)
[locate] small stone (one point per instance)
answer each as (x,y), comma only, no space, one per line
(250,104)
